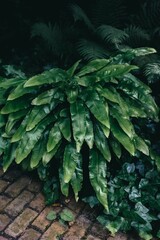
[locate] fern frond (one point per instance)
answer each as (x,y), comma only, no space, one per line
(152,71)
(149,15)
(90,50)
(138,37)
(112,35)
(52,35)
(80,15)
(110,12)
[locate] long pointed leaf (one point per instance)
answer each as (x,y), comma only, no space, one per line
(98,108)
(29,139)
(54,137)
(102,143)
(97,174)
(77,179)
(78,116)
(122,137)
(89,137)
(70,160)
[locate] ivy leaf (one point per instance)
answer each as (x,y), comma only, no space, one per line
(67,215)
(51,216)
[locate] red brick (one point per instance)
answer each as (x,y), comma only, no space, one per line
(15,188)
(19,225)
(3,185)
(38,202)
(91,237)
(75,206)
(98,231)
(18,203)
(4,221)
(34,186)
(77,230)
(55,230)
(12,174)
(118,236)
(3,238)
(30,234)
(4,201)
(41,221)
(1,172)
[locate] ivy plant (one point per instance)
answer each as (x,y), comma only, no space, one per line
(55,120)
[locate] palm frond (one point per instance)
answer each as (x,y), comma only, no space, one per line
(80,15)
(90,50)
(138,37)
(112,35)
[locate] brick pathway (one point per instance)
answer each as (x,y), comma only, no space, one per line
(23,214)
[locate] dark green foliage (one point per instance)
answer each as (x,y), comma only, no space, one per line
(49,119)
(133,199)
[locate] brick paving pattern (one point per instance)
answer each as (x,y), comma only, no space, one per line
(23,214)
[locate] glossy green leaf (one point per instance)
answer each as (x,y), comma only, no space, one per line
(44,98)
(97,175)
(52,76)
(89,137)
(72,95)
(102,143)
(64,186)
(77,178)
(122,137)
(123,120)
(70,160)
(72,69)
(141,145)
(98,108)
(116,147)
(9,156)
(93,66)
(30,138)
(78,117)
(109,94)
(65,128)
(36,115)
(38,152)
(19,91)
(112,71)
(2,121)
(54,137)
(15,105)
(20,131)
(13,118)
(12,82)
(48,156)
(105,130)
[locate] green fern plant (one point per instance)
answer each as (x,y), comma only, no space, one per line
(48,119)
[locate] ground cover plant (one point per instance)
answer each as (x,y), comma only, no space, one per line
(69,124)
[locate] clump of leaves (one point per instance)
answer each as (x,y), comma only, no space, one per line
(64,217)
(46,120)
(133,197)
